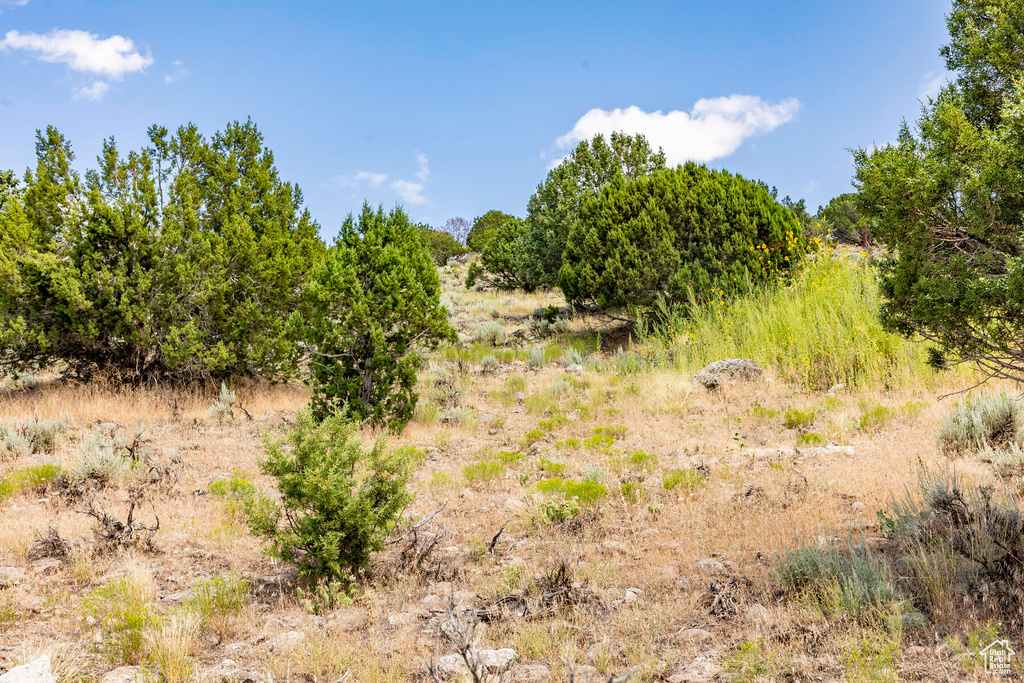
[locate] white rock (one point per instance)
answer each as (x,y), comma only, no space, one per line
(710,565)
(124,674)
(36,671)
(492,661)
(632,595)
(574,369)
(701,670)
(226,672)
(695,635)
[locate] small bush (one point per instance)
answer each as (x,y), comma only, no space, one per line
(491,332)
(644,461)
(992,419)
(551,467)
(627,362)
(840,580)
(553,423)
(587,492)
(795,418)
(568,444)
(483,471)
(598,442)
(872,660)
(510,457)
(221,410)
(531,437)
(99,461)
(489,363)
(173,645)
(44,434)
(633,492)
(217,600)
(119,614)
(339,500)
(538,357)
(572,356)
(34,478)
(810,439)
(683,480)
(874,417)
(760,413)
(13,444)
(614,431)
(749,662)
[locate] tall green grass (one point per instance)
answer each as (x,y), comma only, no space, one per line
(820,330)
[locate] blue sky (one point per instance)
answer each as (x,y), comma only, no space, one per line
(452,109)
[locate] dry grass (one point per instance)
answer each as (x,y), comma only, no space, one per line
(760,494)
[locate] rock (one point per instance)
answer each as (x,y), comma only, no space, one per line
(177,598)
(236,648)
(728,371)
(11,576)
(695,635)
(710,565)
(532,673)
(287,641)
(36,671)
(702,669)
(586,673)
(124,674)
(632,595)
(857,507)
(614,546)
(226,672)
(493,662)
(520,397)
(574,369)
(514,504)
(402,619)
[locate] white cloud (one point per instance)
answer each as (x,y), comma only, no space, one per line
(714,128)
(930,85)
(111,57)
(424,168)
(93,92)
(360,179)
(11,3)
(409,191)
(179,72)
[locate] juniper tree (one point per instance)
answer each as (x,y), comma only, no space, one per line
(947,198)
(678,235)
(370,306)
(554,208)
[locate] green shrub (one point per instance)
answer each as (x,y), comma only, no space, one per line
(374,300)
(553,423)
(598,442)
(216,600)
(538,357)
(995,420)
(44,434)
(552,468)
(873,417)
(182,260)
(587,492)
(749,662)
(489,363)
(99,461)
(510,457)
(614,431)
(568,444)
(759,412)
(811,439)
(220,410)
(483,471)
(685,480)
(872,660)
(850,580)
(491,332)
(119,614)
(644,461)
(671,234)
(339,500)
(795,418)
(531,437)
(632,492)
(27,479)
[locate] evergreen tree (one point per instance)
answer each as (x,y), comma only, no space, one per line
(372,303)
(948,199)
(677,235)
(554,208)
(484,227)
